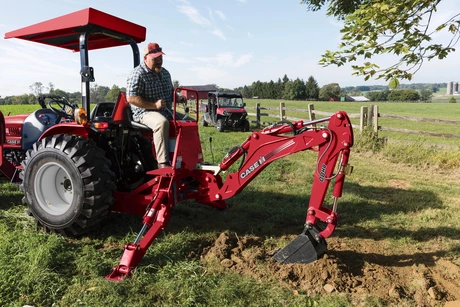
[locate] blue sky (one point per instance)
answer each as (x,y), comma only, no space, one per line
(229,43)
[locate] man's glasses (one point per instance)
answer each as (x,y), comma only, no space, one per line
(154,50)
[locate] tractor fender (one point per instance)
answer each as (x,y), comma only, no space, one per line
(66,128)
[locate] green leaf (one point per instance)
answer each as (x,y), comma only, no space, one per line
(394,83)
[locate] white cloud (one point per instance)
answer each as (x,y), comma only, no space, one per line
(242,1)
(250,35)
(243,59)
(221,15)
(194,15)
(218,33)
(226,59)
(189,44)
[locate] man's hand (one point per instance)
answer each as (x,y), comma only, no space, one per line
(159,104)
(182,99)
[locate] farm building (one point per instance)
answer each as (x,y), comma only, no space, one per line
(354,98)
(201,89)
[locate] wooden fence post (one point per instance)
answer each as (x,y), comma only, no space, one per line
(376,119)
(311,114)
(258,115)
(282,111)
(370,115)
(363,119)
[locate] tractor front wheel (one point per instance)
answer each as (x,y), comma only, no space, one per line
(67,184)
(220,125)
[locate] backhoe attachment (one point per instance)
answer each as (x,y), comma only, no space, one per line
(190,177)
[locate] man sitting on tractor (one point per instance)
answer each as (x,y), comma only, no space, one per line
(150,93)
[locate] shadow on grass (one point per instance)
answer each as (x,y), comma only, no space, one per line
(275,214)
(10,195)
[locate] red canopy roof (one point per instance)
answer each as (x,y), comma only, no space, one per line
(64,31)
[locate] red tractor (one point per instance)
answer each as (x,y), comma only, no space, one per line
(74,169)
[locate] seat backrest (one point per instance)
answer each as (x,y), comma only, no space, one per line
(119,114)
(122,114)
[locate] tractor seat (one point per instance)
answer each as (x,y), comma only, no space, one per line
(132,123)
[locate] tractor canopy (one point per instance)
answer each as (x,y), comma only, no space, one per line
(84,30)
(64,31)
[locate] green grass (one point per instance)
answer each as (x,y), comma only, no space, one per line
(446,111)
(400,196)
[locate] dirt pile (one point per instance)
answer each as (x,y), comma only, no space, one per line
(405,281)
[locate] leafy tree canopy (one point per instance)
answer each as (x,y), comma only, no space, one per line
(401,27)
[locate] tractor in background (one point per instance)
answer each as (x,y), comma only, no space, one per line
(75,169)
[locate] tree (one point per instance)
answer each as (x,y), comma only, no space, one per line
(294,90)
(98,93)
(50,88)
(37,88)
(112,95)
(311,89)
(404,95)
(378,95)
(426,95)
(176,83)
(331,90)
(400,27)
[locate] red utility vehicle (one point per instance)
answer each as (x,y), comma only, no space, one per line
(225,110)
(74,170)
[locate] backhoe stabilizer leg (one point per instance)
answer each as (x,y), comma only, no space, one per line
(157,218)
(132,254)
(306,248)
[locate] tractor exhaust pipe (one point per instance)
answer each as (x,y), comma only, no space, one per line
(306,248)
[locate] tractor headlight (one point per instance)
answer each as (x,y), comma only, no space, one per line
(80,116)
(225,112)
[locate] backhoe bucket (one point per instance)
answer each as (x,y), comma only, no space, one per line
(303,249)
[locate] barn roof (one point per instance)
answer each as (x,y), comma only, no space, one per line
(360,98)
(64,31)
(201,88)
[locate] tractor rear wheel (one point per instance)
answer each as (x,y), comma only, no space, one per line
(67,184)
(220,125)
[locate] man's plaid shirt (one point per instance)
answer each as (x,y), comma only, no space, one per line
(145,83)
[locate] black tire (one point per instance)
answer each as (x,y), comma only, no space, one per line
(220,125)
(78,166)
(204,123)
(245,125)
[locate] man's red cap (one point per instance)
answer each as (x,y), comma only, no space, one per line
(153,50)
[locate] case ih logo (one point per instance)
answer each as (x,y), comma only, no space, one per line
(253,167)
(13,142)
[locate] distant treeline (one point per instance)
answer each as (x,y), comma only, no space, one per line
(283,88)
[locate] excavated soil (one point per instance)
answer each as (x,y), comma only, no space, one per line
(363,270)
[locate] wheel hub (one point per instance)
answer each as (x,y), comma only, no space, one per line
(53,188)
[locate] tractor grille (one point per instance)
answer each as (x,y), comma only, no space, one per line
(13,131)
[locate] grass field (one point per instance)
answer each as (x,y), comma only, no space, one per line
(446,111)
(396,243)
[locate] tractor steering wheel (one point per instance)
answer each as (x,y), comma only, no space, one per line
(64,107)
